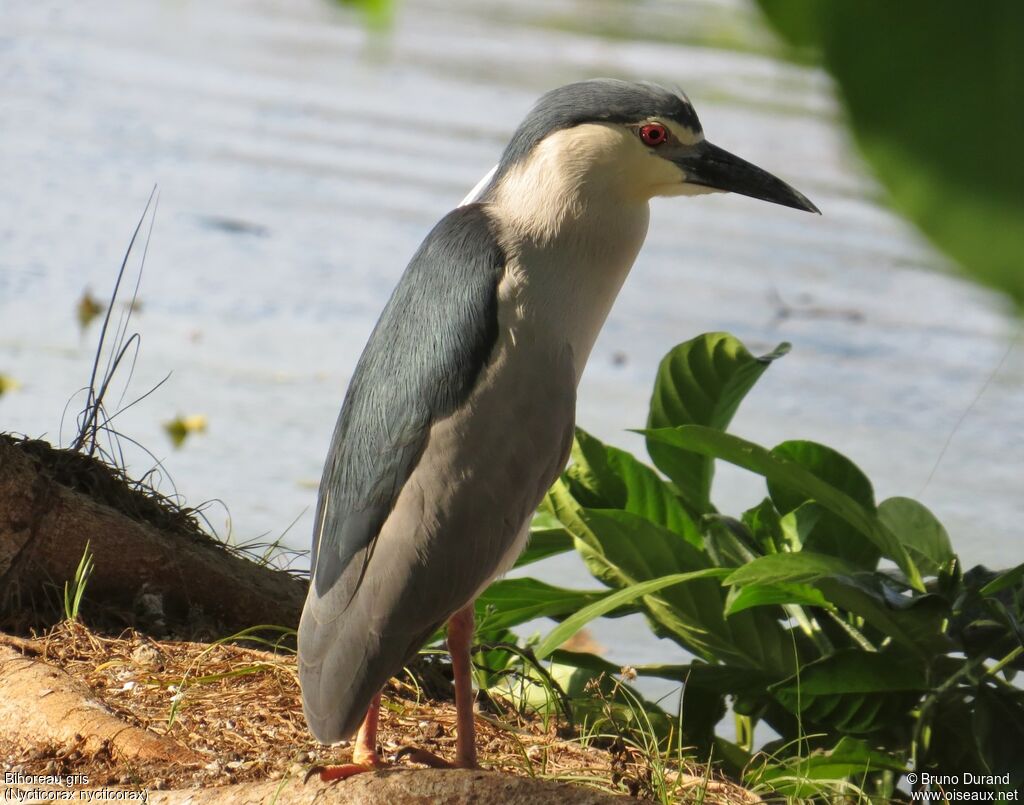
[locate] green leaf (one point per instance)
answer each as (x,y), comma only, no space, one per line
(920,532)
(932,94)
(782,568)
(914,622)
(729,541)
(854,691)
(717,679)
(765,527)
(623,549)
(508,602)
(577,621)
(544,543)
(700,382)
(1007,579)
(830,534)
(798,525)
(801,776)
(750,456)
(917,623)
(759,595)
(603,477)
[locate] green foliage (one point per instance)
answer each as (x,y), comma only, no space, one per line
(864,669)
(932,95)
(703,385)
(75,588)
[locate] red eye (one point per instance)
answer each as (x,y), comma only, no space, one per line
(653,134)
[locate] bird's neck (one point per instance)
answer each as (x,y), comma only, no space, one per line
(571,241)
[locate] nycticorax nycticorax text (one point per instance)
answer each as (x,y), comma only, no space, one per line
(460,413)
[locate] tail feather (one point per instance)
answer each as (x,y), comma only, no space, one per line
(344,663)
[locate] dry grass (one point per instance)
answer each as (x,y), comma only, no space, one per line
(240,710)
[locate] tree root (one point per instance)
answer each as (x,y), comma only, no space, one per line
(43,705)
(174,577)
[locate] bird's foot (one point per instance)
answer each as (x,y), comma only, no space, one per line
(417,755)
(362,763)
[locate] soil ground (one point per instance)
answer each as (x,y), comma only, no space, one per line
(239,710)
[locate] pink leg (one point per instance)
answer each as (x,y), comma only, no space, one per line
(460,641)
(364,752)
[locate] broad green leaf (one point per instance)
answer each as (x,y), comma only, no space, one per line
(793,568)
(577,621)
(798,525)
(854,691)
(603,477)
(718,679)
(509,602)
(830,534)
(801,776)
(759,595)
(623,549)
(914,622)
(750,456)
(729,541)
(544,543)
(932,95)
(543,520)
(1007,579)
(919,531)
(764,523)
(700,382)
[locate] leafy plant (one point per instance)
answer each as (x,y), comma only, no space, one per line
(845,625)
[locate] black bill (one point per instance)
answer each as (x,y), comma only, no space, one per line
(711,166)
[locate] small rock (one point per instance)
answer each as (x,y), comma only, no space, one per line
(146,655)
(430,730)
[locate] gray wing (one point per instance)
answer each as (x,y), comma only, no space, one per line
(381,583)
(425,353)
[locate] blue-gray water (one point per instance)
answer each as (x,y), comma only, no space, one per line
(301,159)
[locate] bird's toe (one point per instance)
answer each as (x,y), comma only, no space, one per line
(422,756)
(363,762)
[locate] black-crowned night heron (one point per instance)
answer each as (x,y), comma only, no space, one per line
(460,413)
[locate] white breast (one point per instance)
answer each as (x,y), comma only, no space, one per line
(571,235)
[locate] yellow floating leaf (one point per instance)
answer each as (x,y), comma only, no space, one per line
(8,383)
(179,428)
(88,308)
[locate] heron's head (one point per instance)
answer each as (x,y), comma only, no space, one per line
(628,140)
